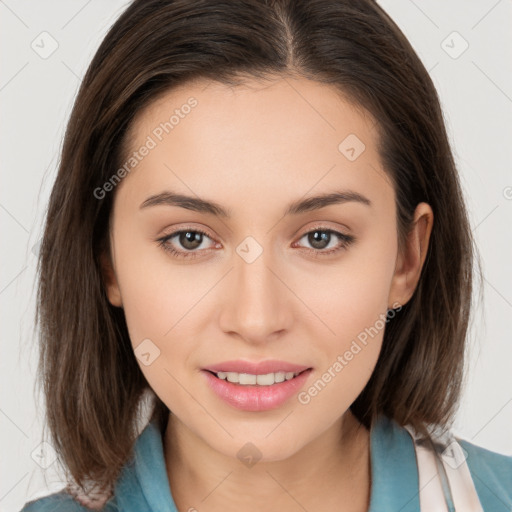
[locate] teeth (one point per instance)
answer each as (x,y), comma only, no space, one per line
(247,379)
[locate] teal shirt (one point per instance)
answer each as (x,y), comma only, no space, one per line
(143,485)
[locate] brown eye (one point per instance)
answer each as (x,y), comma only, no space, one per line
(319,239)
(190,239)
(327,241)
(184,243)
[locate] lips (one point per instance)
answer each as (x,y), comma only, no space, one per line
(256,368)
(257,397)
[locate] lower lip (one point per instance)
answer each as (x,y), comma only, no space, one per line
(256,398)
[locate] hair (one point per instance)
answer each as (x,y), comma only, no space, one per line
(92,383)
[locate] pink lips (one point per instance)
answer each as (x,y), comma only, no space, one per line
(256,398)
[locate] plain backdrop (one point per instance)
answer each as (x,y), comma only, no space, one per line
(465,45)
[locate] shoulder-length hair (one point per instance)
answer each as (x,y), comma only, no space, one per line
(92,383)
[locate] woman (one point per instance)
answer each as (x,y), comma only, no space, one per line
(257,222)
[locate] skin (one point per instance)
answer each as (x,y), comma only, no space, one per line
(254,149)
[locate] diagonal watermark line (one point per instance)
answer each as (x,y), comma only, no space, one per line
(13,218)
(508,506)
(492,81)
(487,216)
(17,483)
(5,5)
(194,305)
(424,14)
(384,176)
(199,403)
(7,416)
(486,14)
(334,334)
(286,80)
(216,487)
(416,495)
(433,67)
(280,423)
(76,14)
(503,407)
(496,290)
(12,280)
(14,76)
(287,492)
(70,69)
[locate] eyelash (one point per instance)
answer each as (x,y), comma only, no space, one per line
(346,240)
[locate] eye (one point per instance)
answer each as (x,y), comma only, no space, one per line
(323,241)
(189,239)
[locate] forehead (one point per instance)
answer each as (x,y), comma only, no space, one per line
(284,135)
(274,110)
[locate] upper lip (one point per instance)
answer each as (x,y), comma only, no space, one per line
(256,368)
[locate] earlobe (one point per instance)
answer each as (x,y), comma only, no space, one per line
(110,280)
(411,258)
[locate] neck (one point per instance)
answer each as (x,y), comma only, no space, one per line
(334,468)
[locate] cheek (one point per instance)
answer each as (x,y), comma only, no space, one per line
(352,294)
(157,294)
(163,309)
(345,358)
(351,301)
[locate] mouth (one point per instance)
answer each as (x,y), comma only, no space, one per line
(258,391)
(249,379)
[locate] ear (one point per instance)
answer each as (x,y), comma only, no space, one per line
(411,258)
(110,280)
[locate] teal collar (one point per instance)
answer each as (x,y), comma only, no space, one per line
(393,466)
(394,470)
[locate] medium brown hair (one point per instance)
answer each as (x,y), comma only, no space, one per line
(92,382)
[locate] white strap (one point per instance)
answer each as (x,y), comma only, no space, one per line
(445,483)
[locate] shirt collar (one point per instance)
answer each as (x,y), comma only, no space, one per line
(151,470)
(394,473)
(394,470)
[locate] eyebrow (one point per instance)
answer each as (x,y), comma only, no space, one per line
(295,208)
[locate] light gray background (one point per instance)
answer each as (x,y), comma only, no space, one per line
(36,95)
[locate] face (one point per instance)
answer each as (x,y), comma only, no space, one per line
(265,274)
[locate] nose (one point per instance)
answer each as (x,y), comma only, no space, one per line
(257,305)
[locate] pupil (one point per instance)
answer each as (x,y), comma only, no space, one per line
(318,239)
(191,239)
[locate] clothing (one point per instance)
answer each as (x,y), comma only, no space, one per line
(143,485)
